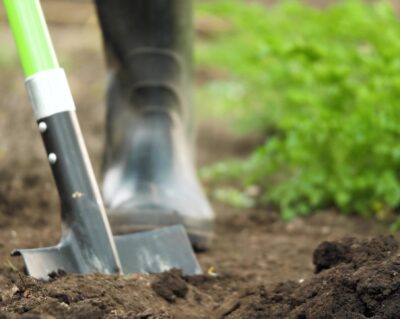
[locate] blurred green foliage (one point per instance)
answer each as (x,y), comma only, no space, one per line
(324,87)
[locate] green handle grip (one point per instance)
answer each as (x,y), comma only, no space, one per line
(31,35)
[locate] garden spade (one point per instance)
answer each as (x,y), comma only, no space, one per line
(87,244)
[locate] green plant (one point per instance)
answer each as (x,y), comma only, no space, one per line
(325,86)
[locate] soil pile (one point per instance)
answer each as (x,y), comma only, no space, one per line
(354,279)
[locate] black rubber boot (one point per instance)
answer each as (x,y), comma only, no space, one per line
(149,175)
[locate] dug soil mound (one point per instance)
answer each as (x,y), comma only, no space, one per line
(354,279)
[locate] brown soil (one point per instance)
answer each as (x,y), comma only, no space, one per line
(259,266)
(357,279)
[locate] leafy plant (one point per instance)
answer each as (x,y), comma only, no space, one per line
(324,86)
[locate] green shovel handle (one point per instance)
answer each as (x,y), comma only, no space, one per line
(31,35)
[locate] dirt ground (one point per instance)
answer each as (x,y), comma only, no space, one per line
(261,266)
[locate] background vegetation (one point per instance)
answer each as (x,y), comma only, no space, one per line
(323,87)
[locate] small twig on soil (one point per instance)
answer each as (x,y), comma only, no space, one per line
(10,265)
(228,307)
(22,281)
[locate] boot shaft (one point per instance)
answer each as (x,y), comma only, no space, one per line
(148,40)
(148,45)
(129,25)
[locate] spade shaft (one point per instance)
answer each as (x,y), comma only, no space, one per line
(87,244)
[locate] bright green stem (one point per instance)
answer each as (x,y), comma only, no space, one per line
(31,35)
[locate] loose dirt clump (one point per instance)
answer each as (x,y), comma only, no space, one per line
(352,251)
(170,285)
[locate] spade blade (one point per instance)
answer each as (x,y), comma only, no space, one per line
(144,252)
(40,262)
(157,251)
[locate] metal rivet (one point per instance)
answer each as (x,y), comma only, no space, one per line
(52,158)
(42,127)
